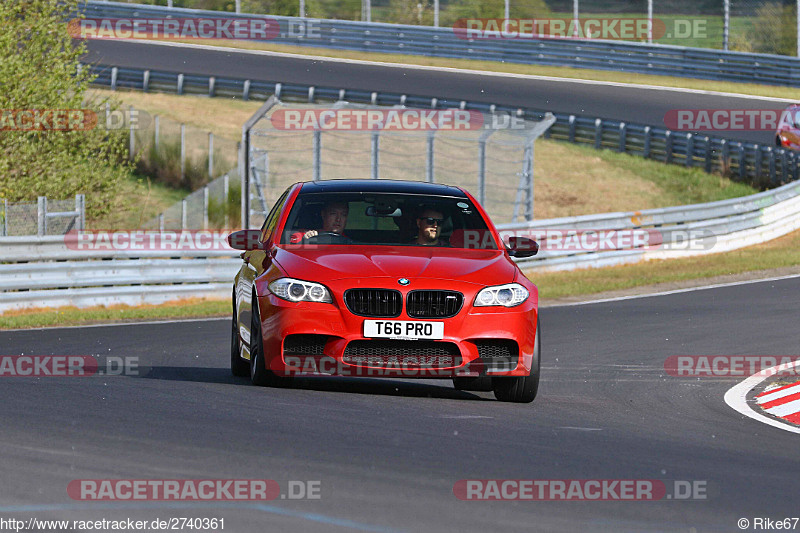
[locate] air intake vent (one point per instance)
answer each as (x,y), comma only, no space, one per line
(381,303)
(399,353)
(304,344)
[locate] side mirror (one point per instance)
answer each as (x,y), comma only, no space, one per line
(246,239)
(522,247)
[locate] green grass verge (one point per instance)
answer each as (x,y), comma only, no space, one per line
(72,316)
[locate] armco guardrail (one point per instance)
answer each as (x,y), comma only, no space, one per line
(47,272)
(103,278)
(443,42)
(683,230)
(760,165)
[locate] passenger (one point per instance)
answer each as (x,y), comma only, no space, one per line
(429,225)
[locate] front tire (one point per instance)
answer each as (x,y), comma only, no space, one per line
(521,389)
(239,367)
(259,374)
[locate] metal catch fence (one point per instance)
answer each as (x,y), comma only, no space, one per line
(43,217)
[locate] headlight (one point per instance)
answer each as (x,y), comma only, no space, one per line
(295,290)
(508,295)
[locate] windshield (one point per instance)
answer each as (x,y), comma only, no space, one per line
(386,219)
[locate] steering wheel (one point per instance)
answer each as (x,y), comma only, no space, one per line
(328,237)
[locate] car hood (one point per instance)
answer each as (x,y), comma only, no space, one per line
(484,267)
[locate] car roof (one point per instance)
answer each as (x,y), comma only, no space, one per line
(382,186)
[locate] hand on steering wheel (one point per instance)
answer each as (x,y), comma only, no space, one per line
(312,236)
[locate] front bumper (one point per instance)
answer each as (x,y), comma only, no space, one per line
(327,339)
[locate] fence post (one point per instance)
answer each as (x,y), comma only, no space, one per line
(708,154)
(482,170)
(80,207)
(648,135)
(759,160)
(689,161)
(180,84)
(155,132)
(529,171)
(132,139)
(316,148)
(482,165)
(598,133)
(725,159)
(210,155)
(623,136)
(205,207)
(226,185)
(668,147)
(742,162)
(108,116)
(572,128)
(429,162)
(114,74)
(183,152)
(784,163)
(41,216)
(145,80)
(184,214)
(161,222)
(771,155)
(374,154)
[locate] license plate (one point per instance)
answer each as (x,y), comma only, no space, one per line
(403,329)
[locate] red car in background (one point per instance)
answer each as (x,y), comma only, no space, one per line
(414,282)
(788,134)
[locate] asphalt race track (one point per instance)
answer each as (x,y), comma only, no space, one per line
(630,104)
(387,453)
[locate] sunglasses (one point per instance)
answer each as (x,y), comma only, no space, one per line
(430,221)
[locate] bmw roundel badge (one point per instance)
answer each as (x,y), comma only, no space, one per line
(403,281)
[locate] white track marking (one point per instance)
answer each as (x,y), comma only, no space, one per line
(736,397)
(676,291)
(463,71)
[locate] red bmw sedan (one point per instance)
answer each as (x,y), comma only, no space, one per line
(788,134)
(384,278)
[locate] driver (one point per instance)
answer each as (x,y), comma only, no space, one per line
(334,219)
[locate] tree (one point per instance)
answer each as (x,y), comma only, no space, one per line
(41,70)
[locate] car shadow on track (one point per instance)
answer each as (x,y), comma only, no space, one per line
(372,386)
(385,387)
